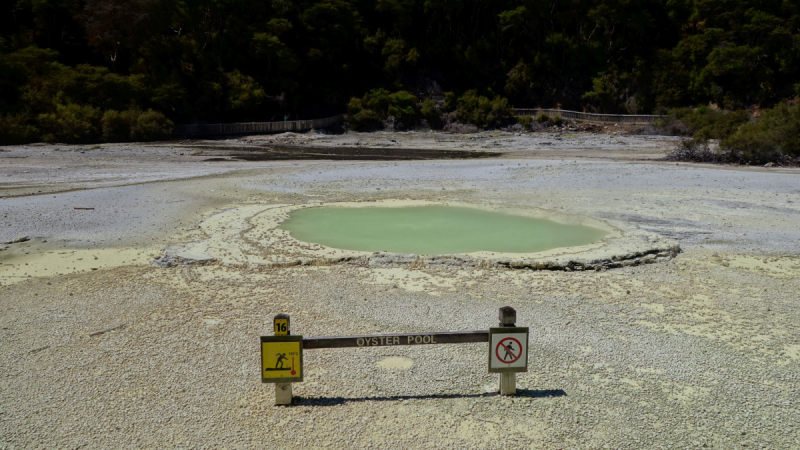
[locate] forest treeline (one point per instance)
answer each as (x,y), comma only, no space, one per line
(77,70)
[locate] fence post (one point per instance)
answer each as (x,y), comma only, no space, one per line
(283,391)
(508,381)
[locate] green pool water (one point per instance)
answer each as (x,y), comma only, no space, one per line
(428,230)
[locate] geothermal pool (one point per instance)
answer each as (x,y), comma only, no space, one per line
(431,230)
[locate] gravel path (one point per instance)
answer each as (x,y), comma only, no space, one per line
(702,351)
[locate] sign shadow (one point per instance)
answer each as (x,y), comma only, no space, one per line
(335,401)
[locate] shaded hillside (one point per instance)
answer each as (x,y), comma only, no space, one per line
(66,63)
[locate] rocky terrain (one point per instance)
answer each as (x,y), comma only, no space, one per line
(101,347)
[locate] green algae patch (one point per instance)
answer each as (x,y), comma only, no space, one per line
(433,230)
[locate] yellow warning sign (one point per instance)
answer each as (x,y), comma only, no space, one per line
(281,327)
(281,359)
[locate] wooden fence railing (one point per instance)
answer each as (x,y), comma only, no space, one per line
(589,117)
(208,129)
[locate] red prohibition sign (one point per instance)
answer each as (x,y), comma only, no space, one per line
(505,347)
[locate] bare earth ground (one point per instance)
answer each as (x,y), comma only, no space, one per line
(701,351)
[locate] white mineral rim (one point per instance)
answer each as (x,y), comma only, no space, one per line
(250,235)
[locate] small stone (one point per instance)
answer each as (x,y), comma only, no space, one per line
(18,239)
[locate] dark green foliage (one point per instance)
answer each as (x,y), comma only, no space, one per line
(363,119)
(244,93)
(116,126)
(431,113)
(450,102)
(232,60)
(377,100)
(135,125)
(56,103)
(71,123)
(150,126)
(368,112)
(482,112)
(403,107)
(774,137)
(17,130)
(615,90)
(557,121)
(366,120)
(541,118)
(525,121)
(775,134)
(706,123)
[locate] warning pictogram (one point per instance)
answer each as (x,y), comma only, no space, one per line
(508,349)
(511,349)
(281,359)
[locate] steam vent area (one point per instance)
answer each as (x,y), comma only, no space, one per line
(655,301)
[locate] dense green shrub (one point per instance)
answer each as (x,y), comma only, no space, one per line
(74,105)
(377,100)
(135,125)
(450,102)
(557,121)
(368,112)
(541,118)
(403,107)
(707,123)
(774,135)
(432,114)
(366,120)
(42,82)
(71,123)
(116,126)
(244,93)
(150,126)
(525,121)
(17,130)
(361,118)
(482,112)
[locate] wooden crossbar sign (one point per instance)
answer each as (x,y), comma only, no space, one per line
(386,340)
(282,354)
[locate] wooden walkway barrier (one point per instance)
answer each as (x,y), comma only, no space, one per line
(214,129)
(282,354)
(636,119)
(218,129)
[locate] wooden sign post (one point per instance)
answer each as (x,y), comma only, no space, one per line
(508,350)
(282,354)
(283,391)
(508,380)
